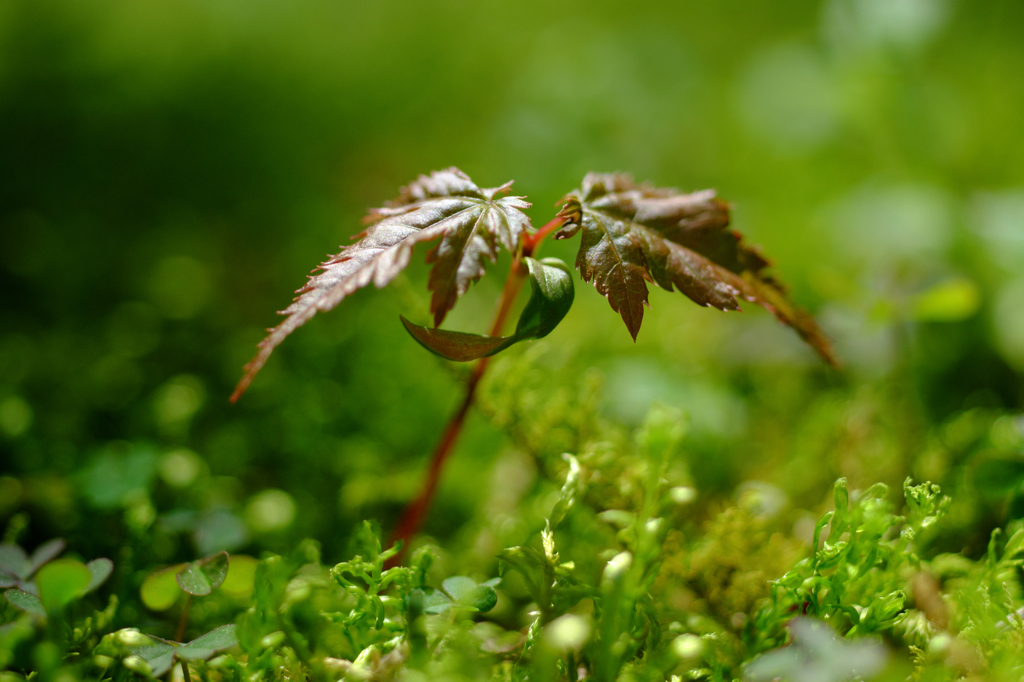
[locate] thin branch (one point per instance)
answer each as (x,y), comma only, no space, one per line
(183,621)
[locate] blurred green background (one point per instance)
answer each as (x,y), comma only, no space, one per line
(169,173)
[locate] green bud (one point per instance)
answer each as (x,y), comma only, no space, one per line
(683,494)
(218,662)
(939,645)
(618,565)
(273,640)
(138,664)
(567,632)
(688,647)
(131,637)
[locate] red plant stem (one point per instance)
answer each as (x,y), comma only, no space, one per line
(532,242)
(415,513)
(183,620)
(179,636)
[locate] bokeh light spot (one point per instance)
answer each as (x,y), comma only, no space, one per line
(15,416)
(270,510)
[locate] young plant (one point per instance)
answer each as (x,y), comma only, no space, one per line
(153,656)
(630,235)
(38,585)
(44,609)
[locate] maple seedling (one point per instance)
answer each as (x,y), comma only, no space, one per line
(631,235)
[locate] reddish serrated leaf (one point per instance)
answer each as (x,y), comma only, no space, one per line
(634,232)
(460,257)
(470,222)
(611,259)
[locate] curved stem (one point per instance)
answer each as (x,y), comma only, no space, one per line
(415,513)
(532,242)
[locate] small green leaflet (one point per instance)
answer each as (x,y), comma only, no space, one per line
(25,601)
(62,581)
(550,300)
(44,553)
(14,562)
(160,654)
(205,646)
(468,595)
(160,589)
(460,592)
(202,577)
(55,583)
(100,570)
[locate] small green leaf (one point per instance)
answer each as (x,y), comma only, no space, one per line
(482,599)
(25,601)
(205,646)
(159,656)
(202,577)
(216,639)
(435,601)
(458,586)
(193,580)
(160,589)
(550,300)
(241,576)
(100,570)
(62,581)
(194,653)
(13,560)
(44,553)
(216,568)
(468,595)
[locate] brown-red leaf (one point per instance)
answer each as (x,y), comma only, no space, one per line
(471,223)
(634,233)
